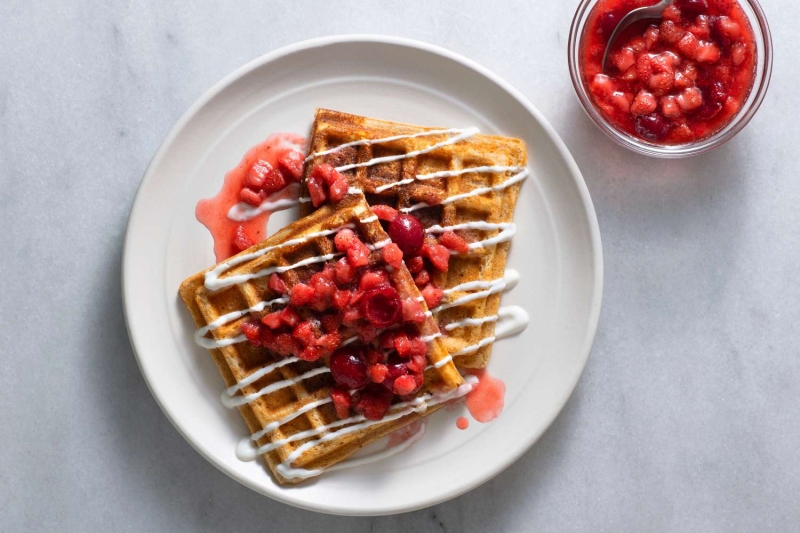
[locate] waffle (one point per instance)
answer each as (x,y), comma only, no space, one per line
(470,344)
(304,405)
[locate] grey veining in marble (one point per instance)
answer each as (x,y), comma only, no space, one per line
(685,420)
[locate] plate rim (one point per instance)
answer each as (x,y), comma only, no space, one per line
(421,46)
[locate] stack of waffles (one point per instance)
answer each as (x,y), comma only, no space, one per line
(451,180)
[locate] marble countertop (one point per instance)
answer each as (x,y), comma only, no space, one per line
(686,418)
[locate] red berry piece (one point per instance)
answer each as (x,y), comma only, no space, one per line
(268,338)
(402,345)
(358,254)
(316,190)
(301,294)
(341,402)
(439,256)
(417,363)
(407,232)
(432,295)
(454,242)
(272,320)
(392,255)
(377,372)
(331,323)
(348,369)
(417,346)
(344,272)
(338,189)
(692,8)
(310,353)
(344,239)
(241,240)
(329,342)
(251,197)
(325,172)
(304,332)
(286,345)
(291,165)
(422,279)
(277,284)
(289,317)
(412,311)
(382,307)
(373,280)
(374,405)
(652,127)
(341,299)
(351,315)
(252,330)
(384,212)
(415,264)
(404,385)
(257,174)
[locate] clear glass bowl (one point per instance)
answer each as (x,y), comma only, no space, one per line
(763,41)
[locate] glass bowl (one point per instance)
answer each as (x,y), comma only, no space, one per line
(763,42)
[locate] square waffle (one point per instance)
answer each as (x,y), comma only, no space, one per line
(426,171)
(285,401)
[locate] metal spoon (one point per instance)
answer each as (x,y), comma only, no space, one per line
(651,12)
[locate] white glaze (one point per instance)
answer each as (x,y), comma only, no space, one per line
(369,142)
(237,401)
(513,320)
(199,335)
(242,212)
(517,178)
(507,232)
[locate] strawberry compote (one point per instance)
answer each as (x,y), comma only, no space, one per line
(674,80)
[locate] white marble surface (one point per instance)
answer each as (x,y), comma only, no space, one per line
(685,420)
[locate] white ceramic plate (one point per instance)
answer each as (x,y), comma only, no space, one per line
(557,250)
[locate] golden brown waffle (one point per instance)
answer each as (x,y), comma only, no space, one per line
(238,361)
(333,128)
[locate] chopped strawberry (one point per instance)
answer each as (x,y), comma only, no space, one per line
(344,239)
(304,332)
(432,295)
(417,363)
(272,320)
(422,279)
(325,172)
(316,190)
(338,189)
(257,174)
(377,372)
(412,310)
(310,353)
(344,272)
(329,342)
(402,345)
(417,346)
(324,287)
(277,284)
(454,242)
(373,405)
(392,255)
(373,279)
(341,401)
(330,323)
(249,196)
(384,212)
(286,345)
(289,317)
(301,294)
(341,299)
(415,264)
(358,254)
(439,256)
(291,165)
(404,385)
(252,330)
(267,338)
(387,340)
(241,240)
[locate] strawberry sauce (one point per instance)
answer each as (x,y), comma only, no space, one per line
(486,400)
(213,212)
(462,422)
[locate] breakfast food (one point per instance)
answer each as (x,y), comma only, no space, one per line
(447,199)
(671,81)
(323,339)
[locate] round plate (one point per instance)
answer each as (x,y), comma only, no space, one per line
(557,250)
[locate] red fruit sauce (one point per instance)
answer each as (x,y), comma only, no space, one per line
(462,422)
(486,399)
(674,80)
(213,212)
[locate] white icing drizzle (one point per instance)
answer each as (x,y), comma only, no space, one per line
(199,335)
(470,322)
(370,142)
(507,231)
(242,212)
(260,373)
(474,347)
(513,320)
(237,401)
(419,404)
(428,338)
(475,192)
